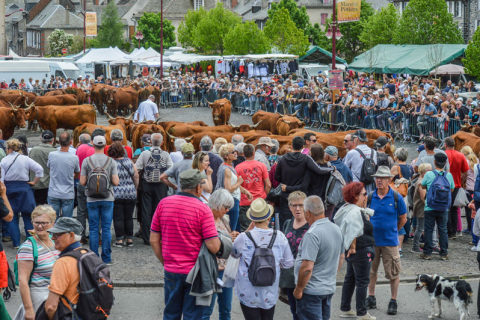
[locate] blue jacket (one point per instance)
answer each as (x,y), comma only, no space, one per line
(343,169)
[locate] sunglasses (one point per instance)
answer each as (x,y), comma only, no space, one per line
(313,140)
(347,141)
(41,223)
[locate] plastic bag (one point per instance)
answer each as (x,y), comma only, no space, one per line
(230,272)
(461,199)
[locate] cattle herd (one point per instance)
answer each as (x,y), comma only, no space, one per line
(69,109)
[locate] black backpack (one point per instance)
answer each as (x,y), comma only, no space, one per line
(382,159)
(262,270)
(368,167)
(95,287)
(98,180)
(155,166)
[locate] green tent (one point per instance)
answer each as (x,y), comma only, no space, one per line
(319,55)
(409,59)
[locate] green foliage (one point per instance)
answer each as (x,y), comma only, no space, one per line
(298,15)
(472,54)
(350,45)
(284,35)
(319,38)
(427,22)
(380,27)
(246,38)
(59,40)
(186,29)
(150,24)
(77,45)
(126,46)
(110,33)
(212,29)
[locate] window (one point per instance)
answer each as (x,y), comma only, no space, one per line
(457,10)
(323,18)
(197,4)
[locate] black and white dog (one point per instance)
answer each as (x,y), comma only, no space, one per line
(439,288)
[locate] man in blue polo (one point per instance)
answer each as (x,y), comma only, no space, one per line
(390,215)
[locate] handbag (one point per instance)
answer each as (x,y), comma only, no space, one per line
(400,187)
(461,200)
(277,191)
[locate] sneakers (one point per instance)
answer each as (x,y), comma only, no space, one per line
(400,251)
(425,256)
(371,302)
(348,314)
(392,307)
(416,250)
(444,258)
(475,249)
(368,316)
(436,250)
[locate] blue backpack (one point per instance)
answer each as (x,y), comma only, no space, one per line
(476,190)
(439,195)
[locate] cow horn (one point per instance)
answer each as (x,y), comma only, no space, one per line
(295,114)
(11,104)
(188,139)
(256,125)
(130,116)
(30,105)
(109,116)
(13,108)
(171,136)
(287,122)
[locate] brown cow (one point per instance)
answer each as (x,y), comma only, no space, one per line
(142,128)
(276,123)
(121,100)
(286,123)
(248,135)
(10,118)
(221,110)
(79,94)
(60,100)
(52,93)
(98,95)
(66,117)
(463,139)
(89,127)
(126,122)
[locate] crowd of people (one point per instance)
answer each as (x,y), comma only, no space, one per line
(266,225)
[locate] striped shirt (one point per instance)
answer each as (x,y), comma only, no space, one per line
(46,258)
(184,222)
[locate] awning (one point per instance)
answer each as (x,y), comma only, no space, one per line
(319,55)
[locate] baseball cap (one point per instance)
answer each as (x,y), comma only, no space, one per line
(381,142)
(66,224)
(99,141)
(47,135)
(191,178)
(331,151)
(188,148)
(361,135)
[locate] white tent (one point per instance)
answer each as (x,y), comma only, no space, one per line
(104,55)
(189,58)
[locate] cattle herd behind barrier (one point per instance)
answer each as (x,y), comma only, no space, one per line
(70,109)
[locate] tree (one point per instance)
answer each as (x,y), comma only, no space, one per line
(471,60)
(350,45)
(186,29)
(110,33)
(298,15)
(319,38)
(150,24)
(212,29)
(58,40)
(246,38)
(284,35)
(380,27)
(427,22)
(77,45)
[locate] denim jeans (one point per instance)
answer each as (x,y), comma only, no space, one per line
(14,229)
(233,215)
(440,217)
(314,307)
(418,233)
(82,208)
(292,302)
(356,279)
(224,303)
(178,300)
(101,212)
(63,207)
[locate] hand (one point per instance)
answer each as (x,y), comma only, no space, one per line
(284,187)
(209,171)
(351,251)
(249,196)
(298,294)
(32,183)
(29,314)
(471,205)
(234,235)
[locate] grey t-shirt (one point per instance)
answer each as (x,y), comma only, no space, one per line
(99,160)
(322,244)
(177,168)
(423,157)
(62,167)
(354,160)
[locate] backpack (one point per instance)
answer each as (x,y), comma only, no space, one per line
(95,287)
(98,180)
(476,192)
(382,159)
(155,166)
(262,270)
(439,195)
(35,259)
(368,167)
(333,192)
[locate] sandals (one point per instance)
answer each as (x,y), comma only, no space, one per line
(119,244)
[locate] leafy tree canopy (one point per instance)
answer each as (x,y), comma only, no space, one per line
(298,15)
(246,38)
(150,26)
(472,54)
(58,40)
(186,29)
(110,33)
(380,27)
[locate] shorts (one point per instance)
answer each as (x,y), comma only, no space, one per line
(391,262)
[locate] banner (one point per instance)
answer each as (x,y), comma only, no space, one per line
(91,23)
(335,79)
(348,10)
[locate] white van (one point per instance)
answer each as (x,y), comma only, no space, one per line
(36,69)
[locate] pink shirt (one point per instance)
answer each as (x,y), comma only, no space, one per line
(306,151)
(184,222)
(84,151)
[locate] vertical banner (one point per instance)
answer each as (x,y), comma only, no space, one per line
(335,79)
(91,24)
(348,10)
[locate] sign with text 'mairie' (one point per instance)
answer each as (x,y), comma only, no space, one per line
(335,79)
(91,24)
(348,10)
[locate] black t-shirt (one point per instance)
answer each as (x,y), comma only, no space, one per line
(3,213)
(294,236)
(366,240)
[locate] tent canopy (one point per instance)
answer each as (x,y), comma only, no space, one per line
(104,55)
(409,59)
(448,69)
(319,55)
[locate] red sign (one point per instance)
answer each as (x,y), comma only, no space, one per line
(64,51)
(335,79)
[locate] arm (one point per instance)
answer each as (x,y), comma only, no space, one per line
(304,275)
(25,268)
(213,244)
(136,176)
(164,178)
(51,304)
(267,185)
(227,181)
(83,180)
(401,221)
(156,243)
(312,166)
(115,180)
(3,194)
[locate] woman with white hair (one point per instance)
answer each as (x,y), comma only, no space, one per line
(177,155)
(220,202)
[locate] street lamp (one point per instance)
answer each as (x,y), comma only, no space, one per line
(139,37)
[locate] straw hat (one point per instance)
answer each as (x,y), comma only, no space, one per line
(259,210)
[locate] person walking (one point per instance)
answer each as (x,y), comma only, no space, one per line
(39,154)
(318,259)
(419,206)
(35,259)
(147,110)
(125,195)
(15,170)
(63,167)
(180,225)
(390,215)
(258,302)
(354,221)
(100,206)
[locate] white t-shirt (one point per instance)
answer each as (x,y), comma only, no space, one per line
(354,161)
(146,111)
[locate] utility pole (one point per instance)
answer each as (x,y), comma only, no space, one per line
(3,36)
(334,34)
(161,39)
(84,24)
